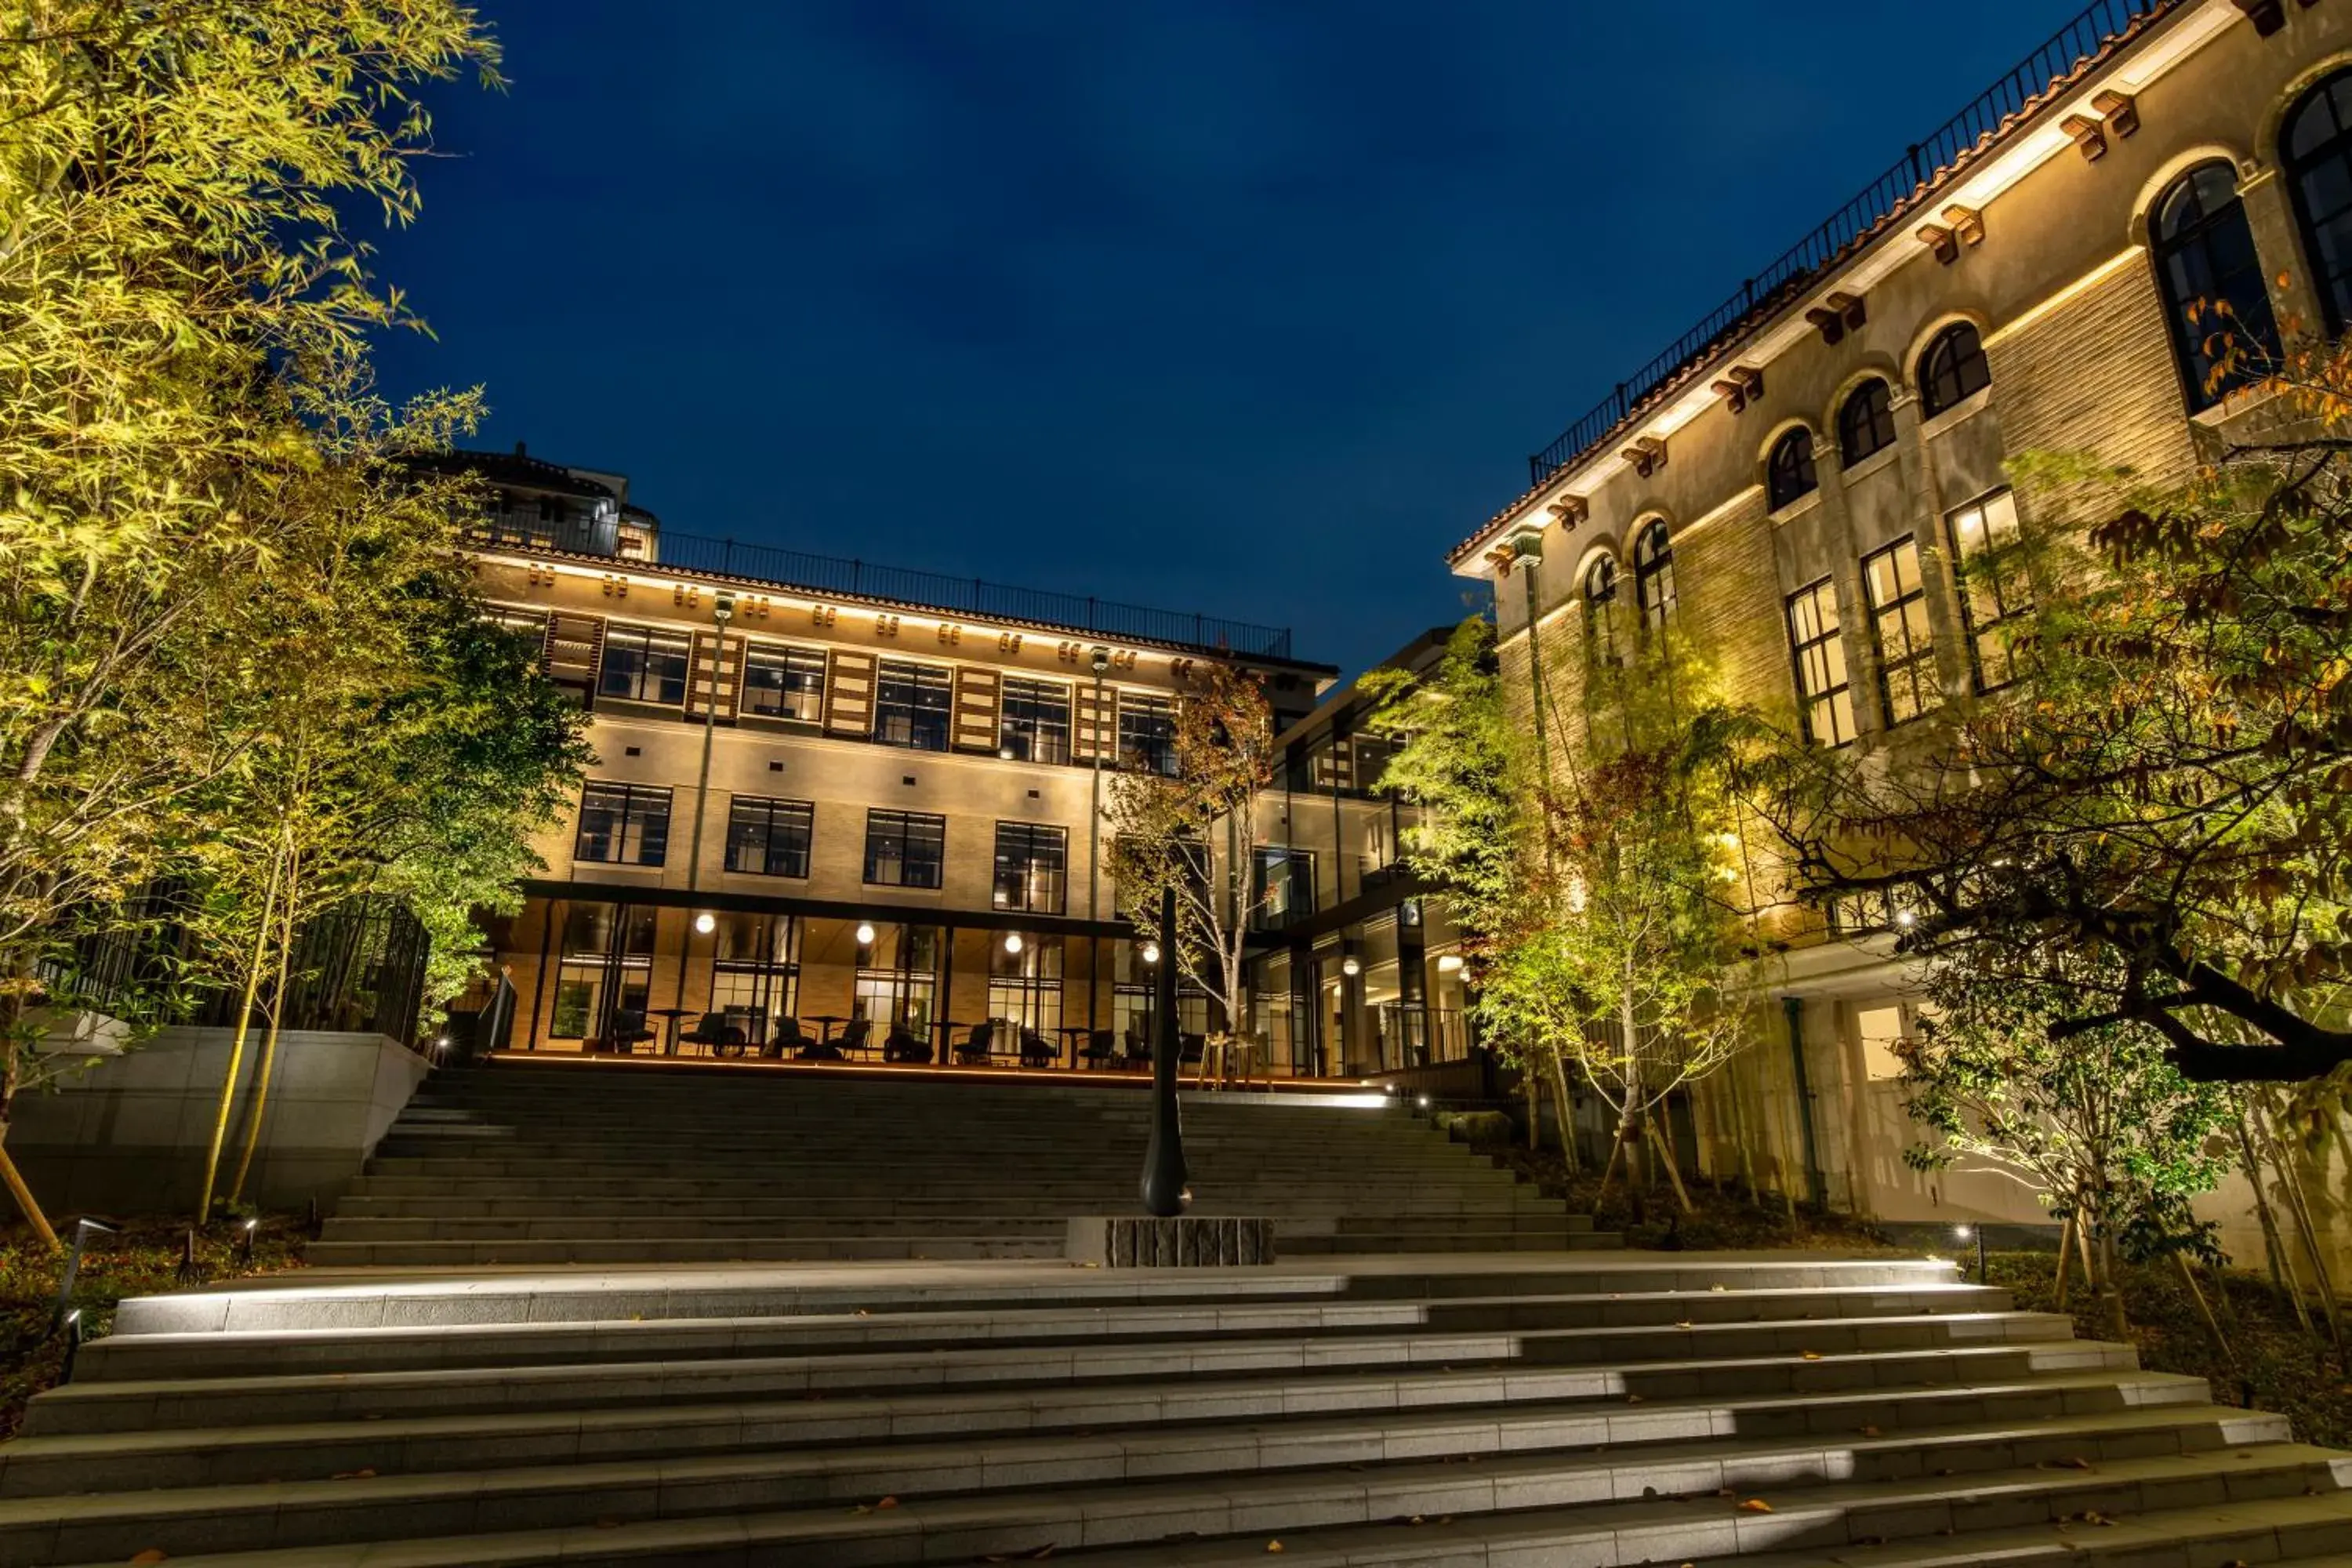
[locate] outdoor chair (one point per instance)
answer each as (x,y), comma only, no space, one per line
(1101,1048)
(977,1049)
(855,1037)
(1138,1049)
(903,1047)
(817,1051)
(627,1032)
(1035,1050)
(716,1034)
(789,1037)
(1190,1049)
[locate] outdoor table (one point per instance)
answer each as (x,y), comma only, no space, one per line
(1073,1036)
(826,1022)
(669,1034)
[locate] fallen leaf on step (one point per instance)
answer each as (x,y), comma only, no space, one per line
(1756,1505)
(1274,1546)
(1683,1324)
(864,1313)
(1414,1519)
(1809,1355)
(152,1555)
(1718,1287)
(1633,1399)
(354,1474)
(1872,1432)
(888,1502)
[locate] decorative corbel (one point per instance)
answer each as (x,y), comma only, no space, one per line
(1966,224)
(1838,315)
(1569,511)
(2267,15)
(2090,136)
(2119,110)
(1740,386)
(1648,455)
(1941,241)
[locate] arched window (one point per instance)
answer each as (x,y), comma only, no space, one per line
(2205,260)
(2316,149)
(1654,573)
(1601,609)
(1788,471)
(1953,370)
(1866,422)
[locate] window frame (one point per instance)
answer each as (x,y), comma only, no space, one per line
(1926,691)
(1987,559)
(1789,472)
(1877,420)
(2189,339)
(885,827)
(791,660)
(1033,736)
(631,686)
(1955,366)
(1154,752)
(626,814)
(1031,839)
(771,813)
(1654,597)
(1597,587)
(925,702)
(1825,644)
(2335,292)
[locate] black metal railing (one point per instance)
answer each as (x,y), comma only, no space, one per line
(1947,151)
(772,564)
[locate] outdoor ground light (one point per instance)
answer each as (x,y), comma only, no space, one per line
(1012,941)
(1963,1234)
(865,934)
(706,923)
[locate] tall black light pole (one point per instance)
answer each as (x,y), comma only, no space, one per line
(1165,1195)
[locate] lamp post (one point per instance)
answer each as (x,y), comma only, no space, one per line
(1165,1195)
(722,610)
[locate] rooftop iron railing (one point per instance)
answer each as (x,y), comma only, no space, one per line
(902,584)
(2080,44)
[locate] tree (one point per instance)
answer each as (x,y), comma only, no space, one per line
(1194,829)
(173,247)
(1593,894)
(2097,1124)
(2169,784)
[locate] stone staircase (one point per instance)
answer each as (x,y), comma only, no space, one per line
(1510,1408)
(538,1163)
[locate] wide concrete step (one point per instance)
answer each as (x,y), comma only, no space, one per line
(629,1202)
(326,1302)
(178,1355)
(1571,1508)
(1092,1193)
(42,1466)
(1644,1361)
(597,1222)
(1112,1491)
(740,1250)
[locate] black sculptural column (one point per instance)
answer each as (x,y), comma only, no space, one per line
(1165,1194)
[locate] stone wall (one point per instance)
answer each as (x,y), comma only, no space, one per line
(128,1134)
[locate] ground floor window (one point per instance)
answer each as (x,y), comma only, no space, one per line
(1024,988)
(604,966)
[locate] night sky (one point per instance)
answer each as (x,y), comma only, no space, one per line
(1252,307)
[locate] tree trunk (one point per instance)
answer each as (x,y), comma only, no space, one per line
(2111,1290)
(1566,1115)
(1739,1134)
(25,1202)
(2291,1185)
(2275,1251)
(269,1041)
(237,1046)
(1666,1158)
(2065,1258)
(2212,1327)
(1608,1173)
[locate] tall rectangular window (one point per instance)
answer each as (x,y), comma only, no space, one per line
(1032,867)
(644,664)
(1995,592)
(905,848)
(1282,884)
(769,837)
(623,825)
(1898,621)
(1147,732)
(783,682)
(911,705)
(1824,701)
(1035,725)
(1025,990)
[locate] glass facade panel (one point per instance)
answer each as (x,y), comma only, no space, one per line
(783,682)
(911,705)
(623,825)
(904,849)
(643,664)
(1898,620)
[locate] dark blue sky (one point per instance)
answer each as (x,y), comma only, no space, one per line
(1246,306)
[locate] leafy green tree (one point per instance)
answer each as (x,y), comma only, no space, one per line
(2097,1124)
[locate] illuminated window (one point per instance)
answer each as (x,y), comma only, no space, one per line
(911,704)
(1994,589)
(784,682)
(1601,609)
(643,664)
(2316,149)
(1898,621)
(904,849)
(1035,725)
(769,837)
(623,825)
(1824,702)
(1032,867)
